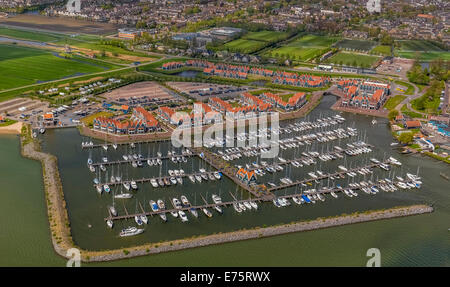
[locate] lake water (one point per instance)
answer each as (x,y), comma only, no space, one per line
(414,241)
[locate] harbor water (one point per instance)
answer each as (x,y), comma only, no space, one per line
(412,241)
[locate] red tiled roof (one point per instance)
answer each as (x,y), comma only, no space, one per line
(413,124)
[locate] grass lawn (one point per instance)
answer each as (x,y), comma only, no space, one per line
(7,122)
(266,36)
(423,56)
(244,46)
(418,45)
(90,119)
(429,102)
(29,35)
(304,48)
(424,50)
(360,45)
(381,50)
(392,102)
(410,113)
(351,59)
(21,66)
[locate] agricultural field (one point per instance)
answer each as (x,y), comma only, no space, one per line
(355,45)
(244,46)
(382,50)
(423,50)
(352,59)
(20,66)
(28,35)
(304,49)
(266,36)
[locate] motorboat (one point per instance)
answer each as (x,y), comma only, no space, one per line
(182,216)
(130,231)
(110,223)
(236,207)
(123,196)
(185,201)
(207,212)
(247,205)
(176,203)
(106,188)
(217,199)
(126,185)
(134,185)
(138,220)
(193,211)
(144,218)
(154,182)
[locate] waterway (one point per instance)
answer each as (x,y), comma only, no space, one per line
(414,241)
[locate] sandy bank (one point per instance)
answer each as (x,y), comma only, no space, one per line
(14,129)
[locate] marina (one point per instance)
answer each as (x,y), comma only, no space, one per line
(208,219)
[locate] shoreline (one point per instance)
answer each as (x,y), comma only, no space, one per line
(13,129)
(62,241)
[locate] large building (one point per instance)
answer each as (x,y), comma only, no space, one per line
(364,94)
(129,33)
(141,122)
(294,102)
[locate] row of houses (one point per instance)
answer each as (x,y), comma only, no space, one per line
(242,72)
(364,94)
(140,122)
(294,102)
(216,109)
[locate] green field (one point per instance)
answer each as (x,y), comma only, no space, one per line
(21,66)
(244,46)
(29,35)
(304,48)
(357,45)
(423,50)
(418,45)
(424,56)
(266,36)
(351,59)
(381,50)
(392,102)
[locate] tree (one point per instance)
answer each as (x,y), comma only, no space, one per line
(406,138)
(392,115)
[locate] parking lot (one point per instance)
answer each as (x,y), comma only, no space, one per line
(143,93)
(23,109)
(203,91)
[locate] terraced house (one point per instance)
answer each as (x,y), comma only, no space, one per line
(363,94)
(140,122)
(294,102)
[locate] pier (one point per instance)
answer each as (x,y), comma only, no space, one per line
(184,208)
(145,179)
(325,176)
(144,159)
(289,161)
